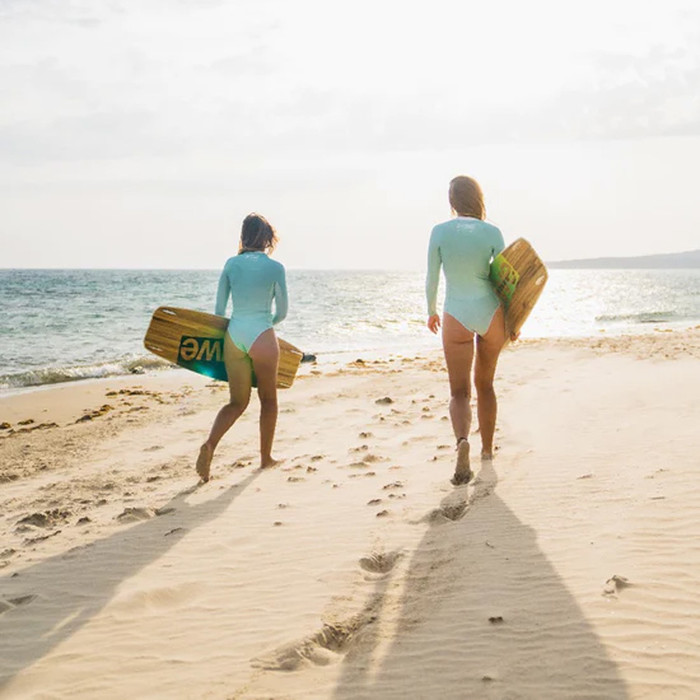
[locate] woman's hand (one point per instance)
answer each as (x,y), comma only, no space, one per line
(434,323)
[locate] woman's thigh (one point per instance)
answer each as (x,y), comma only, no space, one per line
(458,344)
(238,368)
(488,349)
(265,354)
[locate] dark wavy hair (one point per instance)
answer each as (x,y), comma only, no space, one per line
(257,234)
(466,197)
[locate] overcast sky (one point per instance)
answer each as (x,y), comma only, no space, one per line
(139,133)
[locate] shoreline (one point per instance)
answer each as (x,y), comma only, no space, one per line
(337,358)
(354,569)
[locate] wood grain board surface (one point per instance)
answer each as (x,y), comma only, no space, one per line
(519,276)
(194,340)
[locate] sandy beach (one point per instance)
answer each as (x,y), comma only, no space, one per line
(569,568)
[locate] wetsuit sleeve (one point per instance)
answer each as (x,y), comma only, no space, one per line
(433,276)
(281,300)
(222,294)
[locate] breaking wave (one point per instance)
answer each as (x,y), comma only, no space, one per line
(59,374)
(641,317)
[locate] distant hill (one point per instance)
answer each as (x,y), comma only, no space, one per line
(688,259)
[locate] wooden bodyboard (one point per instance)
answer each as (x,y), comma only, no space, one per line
(195,340)
(519,276)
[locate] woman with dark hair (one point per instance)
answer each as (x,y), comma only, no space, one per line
(473,316)
(252,280)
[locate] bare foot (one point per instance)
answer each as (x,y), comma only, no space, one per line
(269,462)
(204,462)
(463,472)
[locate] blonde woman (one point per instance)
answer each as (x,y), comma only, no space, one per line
(473,327)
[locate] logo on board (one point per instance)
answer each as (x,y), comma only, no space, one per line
(194,349)
(504,277)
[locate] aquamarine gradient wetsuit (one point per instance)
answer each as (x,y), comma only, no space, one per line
(464,247)
(252,280)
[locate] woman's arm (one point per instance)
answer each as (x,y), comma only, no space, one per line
(222,294)
(433,275)
(281,299)
(432,280)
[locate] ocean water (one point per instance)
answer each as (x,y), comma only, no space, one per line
(63,325)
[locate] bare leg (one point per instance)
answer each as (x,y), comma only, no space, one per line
(265,354)
(239,382)
(458,344)
(488,349)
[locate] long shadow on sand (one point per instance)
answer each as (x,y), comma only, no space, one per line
(482,614)
(71,588)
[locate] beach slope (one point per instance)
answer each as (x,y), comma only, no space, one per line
(354,569)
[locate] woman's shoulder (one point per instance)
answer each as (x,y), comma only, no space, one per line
(441,228)
(276,264)
(487,226)
(444,225)
(491,231)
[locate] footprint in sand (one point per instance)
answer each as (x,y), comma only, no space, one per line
(380,562)
(449,512)
(22,600)
(322,648)
(134,515)
(615,584)
(47,519)
(361,448)
(35,540)
(17,602)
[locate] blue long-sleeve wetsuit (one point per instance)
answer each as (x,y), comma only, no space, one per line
(252,280)
(464,247)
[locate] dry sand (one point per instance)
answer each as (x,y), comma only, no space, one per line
(570,568)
